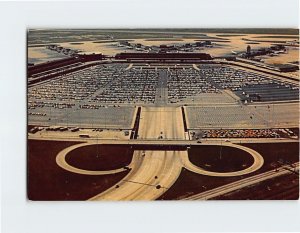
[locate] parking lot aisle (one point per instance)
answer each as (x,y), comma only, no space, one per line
(161,97)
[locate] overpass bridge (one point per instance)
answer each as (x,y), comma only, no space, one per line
(164,142)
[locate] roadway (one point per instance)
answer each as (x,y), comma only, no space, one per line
(157,142)
(161,96)
(257,164)
(152,172)
(61,161)
(241,183)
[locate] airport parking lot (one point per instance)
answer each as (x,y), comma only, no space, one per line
(161,114)
(222,117)
(212,78)
(118,117)
(242,116)
(106,95)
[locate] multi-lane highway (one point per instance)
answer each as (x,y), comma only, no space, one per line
(162,142)
(164,123)
(152,172)
(241,183)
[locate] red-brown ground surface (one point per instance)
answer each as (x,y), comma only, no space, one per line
(47,181)
(220,159)
(100,157)
(190,183)
(280,188)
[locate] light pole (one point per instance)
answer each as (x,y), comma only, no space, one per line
(220,156)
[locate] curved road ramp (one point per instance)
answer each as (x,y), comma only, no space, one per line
(153,172)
